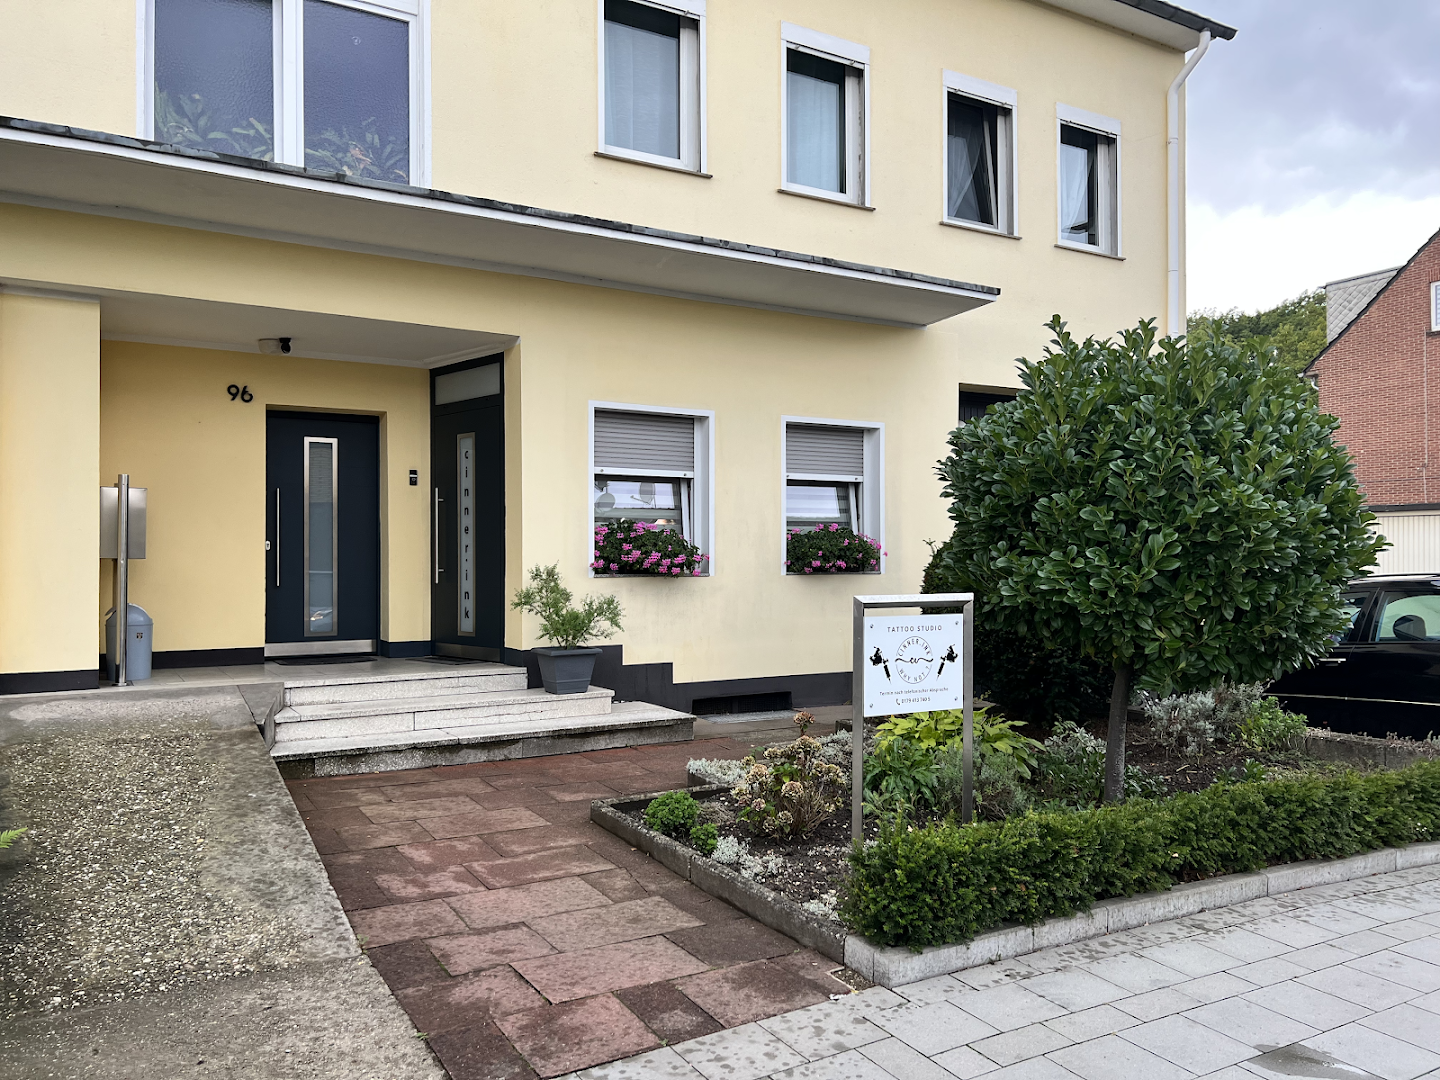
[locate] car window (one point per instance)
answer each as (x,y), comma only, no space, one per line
(1354,604)
(1410,617)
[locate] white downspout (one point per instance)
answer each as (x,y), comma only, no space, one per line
(1174,318)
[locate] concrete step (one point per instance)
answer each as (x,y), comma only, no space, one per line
(415,682)
(629,723)
(385,716)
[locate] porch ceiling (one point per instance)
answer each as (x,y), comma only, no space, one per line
(48,165)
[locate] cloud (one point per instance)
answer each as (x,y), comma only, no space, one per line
(1251,259)
(1316,98)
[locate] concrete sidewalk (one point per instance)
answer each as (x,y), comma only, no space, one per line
(1336,981)
(166,914)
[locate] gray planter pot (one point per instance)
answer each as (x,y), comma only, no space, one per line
(566,671)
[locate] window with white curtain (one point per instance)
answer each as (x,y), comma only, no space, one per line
(979,153)
(346,100)
(832,475)
(824,116)
(651,92)
(1089,182)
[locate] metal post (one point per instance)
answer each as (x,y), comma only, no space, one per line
(857,726)
(967,747)
(122,577)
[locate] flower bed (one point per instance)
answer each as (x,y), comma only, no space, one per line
(633,547)
(831,549)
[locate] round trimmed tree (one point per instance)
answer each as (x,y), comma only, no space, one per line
(1180,513)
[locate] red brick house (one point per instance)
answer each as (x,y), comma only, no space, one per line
(1380,374)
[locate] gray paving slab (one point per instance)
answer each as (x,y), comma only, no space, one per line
(747,1052)
(1113,1058)
(903,1061)
(823,1030)
(1363,989)
(1215,987)
(1380,1053)
(1075,989)
(935,1028)
(1020,1044)
(851,1065)
(662,1064)
(1180,1040)
(1308,1005)
(1409,1023)
(1010,1006)
(1092,1023)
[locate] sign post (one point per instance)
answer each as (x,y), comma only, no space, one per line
(910,663)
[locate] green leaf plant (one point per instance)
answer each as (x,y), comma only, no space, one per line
(562,623)
(1181,512)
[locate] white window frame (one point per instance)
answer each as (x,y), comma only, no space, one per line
(871,518)
(1069,116)
(857,113)
(702,480)
(1435,307)
(693,149)
(288,57)
(1007,187)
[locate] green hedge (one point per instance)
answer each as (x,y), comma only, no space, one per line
(944,884)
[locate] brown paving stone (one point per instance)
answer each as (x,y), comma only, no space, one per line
(477,821)
(570,975)
(375,860)
(563,1038)
(640,866)
(302,801)
(327,841)
(335,818)
(809,964)
(356,888)
(461,953)
(523,903)
(438,789)
(415,809)
(524,841)
(697,902)
(581,792)
(617,885)
(325,799)
(734,941)
(563,813)
(375,836)
(467,1000)
(540,866)
(586,929)
(480,1053)
(401,922)
(428,885)
(406,964)
(737,995)
(517,796)
(667,1012)
(438,854)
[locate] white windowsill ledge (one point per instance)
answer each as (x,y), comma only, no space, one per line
(956,223)
(1086,250)
(819,196)
(635,159)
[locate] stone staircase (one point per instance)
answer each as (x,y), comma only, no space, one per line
(336,725)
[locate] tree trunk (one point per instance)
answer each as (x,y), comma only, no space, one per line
(1115,742)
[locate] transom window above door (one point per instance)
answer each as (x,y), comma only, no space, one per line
(650,82)
(333,85)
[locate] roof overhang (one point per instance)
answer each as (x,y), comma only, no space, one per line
(1153,20)
(92,172)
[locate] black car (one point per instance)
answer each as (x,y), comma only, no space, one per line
(1383,677)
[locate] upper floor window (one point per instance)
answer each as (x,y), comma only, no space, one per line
(825,113)
(1435,305)
(1089,178)
(328,84)
(979,153)
(651,76)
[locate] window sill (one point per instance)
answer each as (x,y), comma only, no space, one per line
(663,577)
(634,159)
(975,227)
(1090,251)
(818,196)
(839,573)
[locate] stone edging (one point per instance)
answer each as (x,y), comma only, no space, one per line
(894,966)
(764,905)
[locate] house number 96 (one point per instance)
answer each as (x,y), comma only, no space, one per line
(241,392)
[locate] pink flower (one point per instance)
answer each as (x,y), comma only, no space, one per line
(840,563)
(614,567)
(815,563)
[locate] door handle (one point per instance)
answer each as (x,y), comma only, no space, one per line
(1333,661)
(438,501)
(277,537)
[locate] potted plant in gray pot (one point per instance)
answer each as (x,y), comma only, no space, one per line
(566,667)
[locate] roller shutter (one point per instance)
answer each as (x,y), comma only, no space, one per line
(813,450)
(634,442)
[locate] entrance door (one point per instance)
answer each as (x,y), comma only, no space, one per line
(322,588)
(467,469)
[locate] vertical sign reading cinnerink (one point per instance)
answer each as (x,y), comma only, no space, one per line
(913,663)
(465,520)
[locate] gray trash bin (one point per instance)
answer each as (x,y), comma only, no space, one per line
(137,657)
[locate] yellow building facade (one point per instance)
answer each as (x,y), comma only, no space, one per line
(719,264)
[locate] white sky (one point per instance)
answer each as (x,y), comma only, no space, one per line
(1314,145)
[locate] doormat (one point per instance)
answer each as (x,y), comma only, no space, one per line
(312,661)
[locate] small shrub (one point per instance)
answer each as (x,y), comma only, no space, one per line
(561,623)
(1268,726)
(1190,723)
(943,884)
(633,547)
(1071,770)
(926,729)
(717,770)
(674,814)
(790,790)
(704,837)
(830,549)
(900,772)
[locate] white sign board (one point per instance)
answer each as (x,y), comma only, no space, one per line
(913,663)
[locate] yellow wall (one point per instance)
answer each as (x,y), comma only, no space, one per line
(49,505)
(166,418)
(69,62)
